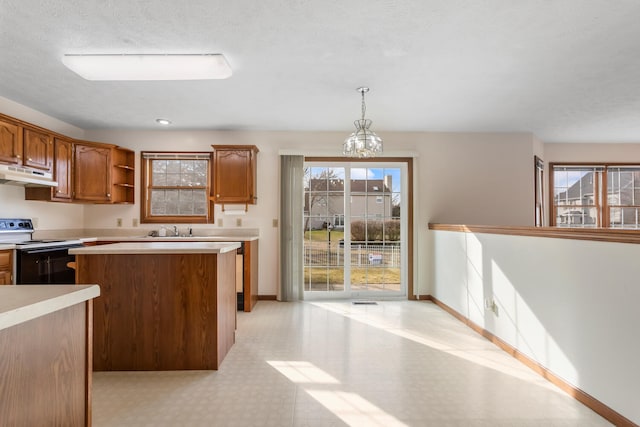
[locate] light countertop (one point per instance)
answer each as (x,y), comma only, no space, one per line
(172,247)
(140,235)
(21,303)
(176,239)
(4,246)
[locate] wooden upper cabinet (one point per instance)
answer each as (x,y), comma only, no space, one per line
(10,143)
(63,162)
(92,173)
(87,172)
(62,169)
(123,175)
(235,174)
(24,146)
(37,150)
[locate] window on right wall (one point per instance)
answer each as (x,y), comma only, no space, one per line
(595,195)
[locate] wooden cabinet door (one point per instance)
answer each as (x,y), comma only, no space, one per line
(234,174)
(38,150)
(6,267)
(5,278)
(92,173)
(10,143)
(63,153)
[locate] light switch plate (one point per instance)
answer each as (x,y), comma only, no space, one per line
(275,222)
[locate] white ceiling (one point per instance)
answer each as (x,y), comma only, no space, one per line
(566,70)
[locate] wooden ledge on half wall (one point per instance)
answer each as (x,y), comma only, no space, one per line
(594,234)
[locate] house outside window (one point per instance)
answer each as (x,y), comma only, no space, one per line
(371,198)
(589,196)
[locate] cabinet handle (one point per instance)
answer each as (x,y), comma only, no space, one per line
(108,194)
(18,156)
(29,159)
(217,195)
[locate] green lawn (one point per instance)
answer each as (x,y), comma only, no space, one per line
(358,275)
(323,236)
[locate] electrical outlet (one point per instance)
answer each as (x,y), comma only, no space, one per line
(274,223)
(119,222)
(34,221)
(219,222)
(238,222)
(134,222)
(490,305)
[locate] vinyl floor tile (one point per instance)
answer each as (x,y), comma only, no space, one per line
(326,364)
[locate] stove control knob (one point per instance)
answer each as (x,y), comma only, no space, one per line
(11,224)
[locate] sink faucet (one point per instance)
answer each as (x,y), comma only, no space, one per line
(175,230)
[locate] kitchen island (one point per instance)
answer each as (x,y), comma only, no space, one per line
(164,305)
(246,259)
(45,362)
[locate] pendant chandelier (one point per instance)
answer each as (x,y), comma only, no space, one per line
(363,142)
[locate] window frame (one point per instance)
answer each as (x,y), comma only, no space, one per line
(601,196)
(538,189)
(145,188)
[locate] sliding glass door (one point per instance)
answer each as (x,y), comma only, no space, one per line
(355,223)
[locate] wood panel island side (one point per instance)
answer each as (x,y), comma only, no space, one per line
(45,356)
(163,305)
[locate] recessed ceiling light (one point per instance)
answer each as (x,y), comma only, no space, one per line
(164,122)
(149,67)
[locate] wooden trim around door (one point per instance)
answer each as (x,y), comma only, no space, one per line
(409,162)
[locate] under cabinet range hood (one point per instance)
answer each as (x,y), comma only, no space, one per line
(17,175)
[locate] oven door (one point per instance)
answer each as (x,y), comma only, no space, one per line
(45,266)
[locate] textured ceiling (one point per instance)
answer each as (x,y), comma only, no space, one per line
(566,70)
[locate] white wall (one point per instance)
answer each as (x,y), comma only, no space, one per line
(19,111)
(570,305)
(477,178)
(46,216)
(588,152)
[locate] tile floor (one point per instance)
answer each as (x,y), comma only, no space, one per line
(398,363)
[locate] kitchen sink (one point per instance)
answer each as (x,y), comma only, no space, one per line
(180,236)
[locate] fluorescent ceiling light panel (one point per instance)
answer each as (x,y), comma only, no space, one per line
(149,67)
